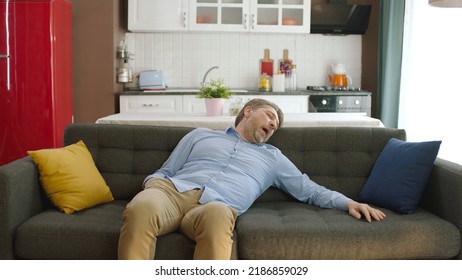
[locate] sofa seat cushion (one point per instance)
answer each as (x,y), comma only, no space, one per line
(88,234)
(293,230)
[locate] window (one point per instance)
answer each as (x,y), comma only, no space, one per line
(431,83)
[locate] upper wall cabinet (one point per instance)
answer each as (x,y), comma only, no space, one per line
(219,15)
(157,15)
(291,16)
(285,16)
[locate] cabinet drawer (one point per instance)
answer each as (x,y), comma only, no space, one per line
(150,104)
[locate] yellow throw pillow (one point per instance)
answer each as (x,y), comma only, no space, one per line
(70,178)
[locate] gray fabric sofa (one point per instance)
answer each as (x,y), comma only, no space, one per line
(275,227)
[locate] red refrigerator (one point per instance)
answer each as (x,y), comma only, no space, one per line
(35,75)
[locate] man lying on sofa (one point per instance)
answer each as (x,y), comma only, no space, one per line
(213,176)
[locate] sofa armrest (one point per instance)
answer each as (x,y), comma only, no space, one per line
(20,198)
(443,195)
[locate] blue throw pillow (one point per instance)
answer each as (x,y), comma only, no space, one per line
(400,174)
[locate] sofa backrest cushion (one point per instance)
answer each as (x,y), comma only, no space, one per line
(126,154)
(340,158)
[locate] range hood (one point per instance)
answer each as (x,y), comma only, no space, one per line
(337,17)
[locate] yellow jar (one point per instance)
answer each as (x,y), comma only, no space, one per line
(265,82)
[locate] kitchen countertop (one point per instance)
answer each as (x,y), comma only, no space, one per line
(241,91)
(222,122)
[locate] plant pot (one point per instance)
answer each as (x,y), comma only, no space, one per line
(214,106)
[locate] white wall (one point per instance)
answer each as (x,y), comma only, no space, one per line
(185,57)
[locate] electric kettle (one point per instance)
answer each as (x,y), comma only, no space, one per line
(339,76)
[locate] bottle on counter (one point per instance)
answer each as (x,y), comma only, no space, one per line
(285,64)
(267,64)
(286,67)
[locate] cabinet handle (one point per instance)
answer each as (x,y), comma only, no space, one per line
(150,105)
(184,19)
(7,57)
(245,21)
(253,21)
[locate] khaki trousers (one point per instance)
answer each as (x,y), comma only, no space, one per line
(160,209)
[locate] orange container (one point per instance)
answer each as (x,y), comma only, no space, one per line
(339,80)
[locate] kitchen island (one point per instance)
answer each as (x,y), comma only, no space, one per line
(222,122)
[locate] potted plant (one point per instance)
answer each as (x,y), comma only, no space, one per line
(214,94)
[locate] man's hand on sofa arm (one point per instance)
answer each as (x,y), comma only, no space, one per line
(358,210)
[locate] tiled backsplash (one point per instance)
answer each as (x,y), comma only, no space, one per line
(185,57)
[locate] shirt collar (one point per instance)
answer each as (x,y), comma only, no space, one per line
(232,132)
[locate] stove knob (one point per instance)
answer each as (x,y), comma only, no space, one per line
(340,102)
(324,102)
(357,102)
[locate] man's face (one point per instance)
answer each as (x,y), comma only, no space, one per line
(259,124)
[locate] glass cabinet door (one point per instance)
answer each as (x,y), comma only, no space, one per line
(292,12)
(267,13)
(280,15)
(219,15)
(250,15)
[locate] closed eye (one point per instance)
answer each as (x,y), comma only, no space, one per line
(273,117)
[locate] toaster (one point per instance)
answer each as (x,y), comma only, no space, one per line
(152,79)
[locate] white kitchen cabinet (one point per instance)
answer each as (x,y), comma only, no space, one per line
(194,105)
(291,16)
(289,104)
(219,15)
(157,15)
(285,16)
(190,104)
(167,104)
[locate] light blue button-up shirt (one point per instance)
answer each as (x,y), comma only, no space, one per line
(231,170)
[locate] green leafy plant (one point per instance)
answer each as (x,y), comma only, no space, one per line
(215,89)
